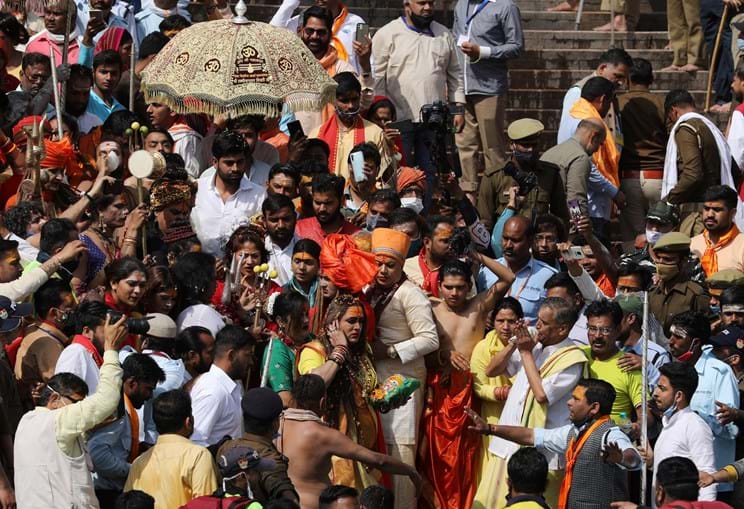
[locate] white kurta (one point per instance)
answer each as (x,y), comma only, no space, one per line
(408,324)
(558,390)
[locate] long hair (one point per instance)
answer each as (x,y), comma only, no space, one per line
(341,390)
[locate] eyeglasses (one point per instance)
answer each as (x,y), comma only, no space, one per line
(604,331)
(66,397)
(322,32)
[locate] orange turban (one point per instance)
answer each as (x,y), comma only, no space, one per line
(29,122)
(59,154)
(410,176)
(390,243)
(345,264)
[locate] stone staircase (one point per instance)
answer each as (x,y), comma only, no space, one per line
(556,55)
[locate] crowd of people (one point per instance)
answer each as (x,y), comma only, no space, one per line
(398,301)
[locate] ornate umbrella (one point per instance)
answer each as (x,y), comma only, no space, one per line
(237,67)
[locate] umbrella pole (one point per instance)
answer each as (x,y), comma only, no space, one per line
(131,79)
(141,198)
(57,100)
(265,374)
(716,50)
(66,50)
(644,394)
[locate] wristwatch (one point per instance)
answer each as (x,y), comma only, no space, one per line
(392,352)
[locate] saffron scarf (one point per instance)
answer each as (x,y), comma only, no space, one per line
(335,41)
(88,345)
(709,260)
(431,277)
(329,133)
(572,454)
(134,424)
(607,158)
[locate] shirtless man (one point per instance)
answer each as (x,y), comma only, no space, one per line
(309,444)
(449,465)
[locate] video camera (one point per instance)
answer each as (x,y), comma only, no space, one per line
(526,180)
(437,118)
(138,326)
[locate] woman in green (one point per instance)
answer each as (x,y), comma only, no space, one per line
(290,311)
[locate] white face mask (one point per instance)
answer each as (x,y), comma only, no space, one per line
(653,237)
(413,203)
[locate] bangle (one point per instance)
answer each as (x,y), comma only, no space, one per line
(8,151)
(90,198)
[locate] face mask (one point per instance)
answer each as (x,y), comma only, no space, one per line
(652,237)
(415,248)
(669,412)
(421,22)
(375,221)
(667,272)
(413,203)
(715,310)
(347,116)
(688,354)
(740,44)
(523,156)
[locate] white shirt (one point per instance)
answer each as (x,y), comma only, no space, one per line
(736,137)
(556,440)
(686,434)
(202,315)
(215,220)
(347,32)
(558,390)
(281,259)
(77,360)
(258,174)
(578,331)
(27,252)
(215,402)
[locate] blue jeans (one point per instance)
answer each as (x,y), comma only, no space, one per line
(710,17)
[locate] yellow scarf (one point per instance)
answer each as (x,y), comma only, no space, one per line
(335,41)
(607,158)
(709,260)
(535,414)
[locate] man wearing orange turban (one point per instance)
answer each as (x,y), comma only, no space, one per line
(408,177)
(406,333)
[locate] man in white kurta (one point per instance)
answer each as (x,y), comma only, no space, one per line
(406,329)
(552,342)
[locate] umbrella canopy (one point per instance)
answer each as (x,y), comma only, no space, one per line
(235,68)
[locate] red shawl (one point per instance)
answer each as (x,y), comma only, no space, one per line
(86,343)
(329,133)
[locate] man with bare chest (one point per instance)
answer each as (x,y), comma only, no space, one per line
(448,452)
(309,444)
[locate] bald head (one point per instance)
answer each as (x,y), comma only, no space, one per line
(516,240)
(591,134)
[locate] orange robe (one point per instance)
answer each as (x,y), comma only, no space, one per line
(448,453)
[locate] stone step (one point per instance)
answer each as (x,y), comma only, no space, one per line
(533,19)
(540,20)
(556,59)
(551,117)
(589,5)
(550,99)
(571,39)
(562,79)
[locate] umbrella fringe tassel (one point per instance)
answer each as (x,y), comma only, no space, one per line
(250,105)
